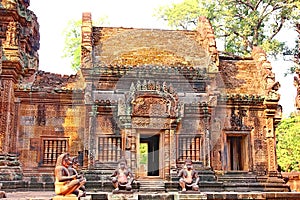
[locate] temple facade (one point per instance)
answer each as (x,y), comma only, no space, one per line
(153,97)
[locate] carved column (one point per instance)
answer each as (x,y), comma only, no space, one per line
(7,115)
(270,137)
(173,152)
(129,138)
(92,137)
(131,152)
(87,41)
(167,153)
(14,138)
(207,139)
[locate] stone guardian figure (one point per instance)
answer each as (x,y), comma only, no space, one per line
(73,170)
(66,184)
(122,177)
(188,177)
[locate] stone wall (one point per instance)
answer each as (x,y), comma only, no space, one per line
(127,46)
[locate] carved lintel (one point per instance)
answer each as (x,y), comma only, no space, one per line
(151,123)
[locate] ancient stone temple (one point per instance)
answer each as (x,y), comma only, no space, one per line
(153,97)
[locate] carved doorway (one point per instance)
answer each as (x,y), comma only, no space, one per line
(237,153)
(149,156)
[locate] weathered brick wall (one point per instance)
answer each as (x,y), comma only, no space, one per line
(49,121)
(242,77)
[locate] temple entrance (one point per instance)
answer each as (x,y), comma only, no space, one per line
(237,153)
(149,155)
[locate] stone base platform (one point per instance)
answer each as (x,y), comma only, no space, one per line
(189,195)
(198,195)
(46,195)
(123,196)
(71,197)
(122,192)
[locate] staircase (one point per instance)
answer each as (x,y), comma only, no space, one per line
(152,186)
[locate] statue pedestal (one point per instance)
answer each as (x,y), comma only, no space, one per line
(69,197)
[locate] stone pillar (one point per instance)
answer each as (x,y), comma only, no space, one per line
(129,141)
(15,136)
(7,115)
(167,153)
(87,41)
(270,137)
(130,149)
(207,138)
(173,153)
(92,137)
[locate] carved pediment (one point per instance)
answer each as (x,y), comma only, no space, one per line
(151,106)
(153,99)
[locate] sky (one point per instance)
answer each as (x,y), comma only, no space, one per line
(53,17)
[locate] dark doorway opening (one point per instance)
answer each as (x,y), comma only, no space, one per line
(153,154)
(235,152)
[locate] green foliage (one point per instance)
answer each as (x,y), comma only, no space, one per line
(242,24)
(72,48)
(143,153)
(288,145)
(72,35)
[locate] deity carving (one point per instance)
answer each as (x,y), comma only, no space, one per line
(10,4)
(12,34)
(236,120)
(106,125)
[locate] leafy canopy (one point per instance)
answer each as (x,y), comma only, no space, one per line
(242,24)
(72,37)
(288,145)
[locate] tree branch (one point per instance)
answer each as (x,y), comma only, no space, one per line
(248,4)
(282,21)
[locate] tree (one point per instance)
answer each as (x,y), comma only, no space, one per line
(72,35)
(288,145)
(242,24)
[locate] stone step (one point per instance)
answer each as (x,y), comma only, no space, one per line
(190,196)
(237,178)
(122,196)
(151,186)
(152,189)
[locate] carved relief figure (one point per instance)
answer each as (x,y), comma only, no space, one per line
(12,34)
(65,184)
(188,177)
(122,177)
